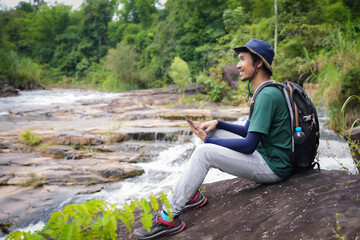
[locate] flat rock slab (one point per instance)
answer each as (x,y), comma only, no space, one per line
(21,159)
(302,207)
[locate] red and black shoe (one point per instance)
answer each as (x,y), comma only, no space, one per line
(196,202)
(160,228)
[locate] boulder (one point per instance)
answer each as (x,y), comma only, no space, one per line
(8,91)
(194,88)
(231,76)
(58,151)
(117,171)
(306,206)
(355,134)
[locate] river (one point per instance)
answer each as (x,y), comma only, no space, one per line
(162,172)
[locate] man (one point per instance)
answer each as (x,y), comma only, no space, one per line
(256,151)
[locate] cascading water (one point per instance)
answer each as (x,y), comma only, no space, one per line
(333,149)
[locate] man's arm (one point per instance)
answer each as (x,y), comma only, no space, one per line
(234,128)
(246,145)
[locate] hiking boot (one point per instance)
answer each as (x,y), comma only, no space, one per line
(160,228)
(196,202)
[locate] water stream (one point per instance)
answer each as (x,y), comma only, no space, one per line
(163,171)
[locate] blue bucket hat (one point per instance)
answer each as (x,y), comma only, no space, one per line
(261,49)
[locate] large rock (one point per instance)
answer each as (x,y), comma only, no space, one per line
(231,76)
(118,171)
(302,207)
(7,90)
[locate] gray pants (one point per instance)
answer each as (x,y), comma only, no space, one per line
(251,167)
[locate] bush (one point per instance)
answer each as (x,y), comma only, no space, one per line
(180,73)
(29,138)
(216,88)
(20,71)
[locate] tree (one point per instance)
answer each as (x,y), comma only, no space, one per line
(97,15)
(123,62)
(179,72)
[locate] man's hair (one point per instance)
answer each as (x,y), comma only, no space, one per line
(255,59)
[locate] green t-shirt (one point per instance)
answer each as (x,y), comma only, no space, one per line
(271,118)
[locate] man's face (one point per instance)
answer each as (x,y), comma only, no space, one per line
(245,66)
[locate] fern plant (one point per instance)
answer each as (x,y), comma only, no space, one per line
(96,219)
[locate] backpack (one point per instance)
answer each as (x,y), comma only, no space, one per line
(302,114)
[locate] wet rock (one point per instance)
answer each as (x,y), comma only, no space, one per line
(20,159)
(58,151)
(302,207)
(119,157)
(231,76)
(118,171)
(355,134)
(65,152)
(74,138)
(195,88)
(8,91)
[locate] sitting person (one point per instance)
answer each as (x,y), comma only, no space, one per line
(255,151)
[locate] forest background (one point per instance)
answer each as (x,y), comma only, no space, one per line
(137,44)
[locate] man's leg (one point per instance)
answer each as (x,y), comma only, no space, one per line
(205,156)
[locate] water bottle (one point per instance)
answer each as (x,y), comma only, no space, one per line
(299,136)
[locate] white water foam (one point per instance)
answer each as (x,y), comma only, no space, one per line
(41,98)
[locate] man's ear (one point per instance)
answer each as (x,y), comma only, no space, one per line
(260,63)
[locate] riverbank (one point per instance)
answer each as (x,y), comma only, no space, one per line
(100,145)
(87,143)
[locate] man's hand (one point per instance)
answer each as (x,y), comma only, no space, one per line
(202,130)
(195,127)
(209,126)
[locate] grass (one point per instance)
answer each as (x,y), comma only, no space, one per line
(336,69)
(37,182)
(29,138)
(112,134)
(20,70)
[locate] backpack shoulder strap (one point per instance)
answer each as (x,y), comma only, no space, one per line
(258,90)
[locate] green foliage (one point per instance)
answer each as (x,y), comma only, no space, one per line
(17,235)
(217,89)
(343,113)
(30,138)
(179,72)
(338,228)
(122,61)
(20,71)
(96,219)
(337,69)
(354,145)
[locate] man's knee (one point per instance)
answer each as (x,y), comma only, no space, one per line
(201,149)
